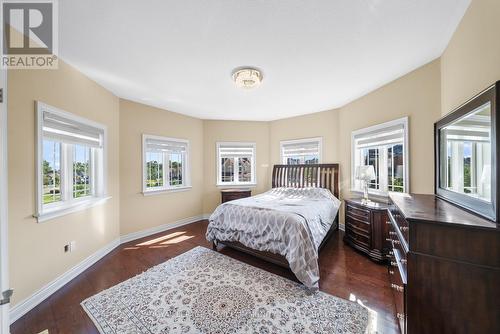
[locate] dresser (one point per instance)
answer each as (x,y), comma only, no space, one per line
(444,267)
(232,194)
(366,229)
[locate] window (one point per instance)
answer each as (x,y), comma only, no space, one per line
(165,164)
(385,147)
(70,164)
(301,151)
(235,163)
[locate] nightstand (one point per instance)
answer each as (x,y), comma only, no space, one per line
(232,194)
(366,229)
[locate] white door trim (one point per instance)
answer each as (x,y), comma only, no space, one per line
(4,259)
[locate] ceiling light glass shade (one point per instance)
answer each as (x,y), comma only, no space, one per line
(247,78)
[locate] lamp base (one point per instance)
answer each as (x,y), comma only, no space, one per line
(366,201)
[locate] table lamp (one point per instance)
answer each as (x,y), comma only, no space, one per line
(365,174)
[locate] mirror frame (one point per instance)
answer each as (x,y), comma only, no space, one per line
(487,210)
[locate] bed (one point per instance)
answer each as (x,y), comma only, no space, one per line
(287,225)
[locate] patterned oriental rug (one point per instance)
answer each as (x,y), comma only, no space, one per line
(202,291)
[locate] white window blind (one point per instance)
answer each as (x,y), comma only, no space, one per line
(231,150)
(160,145)
(64,129)
(384,136)
(301,149)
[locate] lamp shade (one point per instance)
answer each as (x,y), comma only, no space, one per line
(365,173)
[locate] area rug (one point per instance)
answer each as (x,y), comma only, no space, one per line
(202,291)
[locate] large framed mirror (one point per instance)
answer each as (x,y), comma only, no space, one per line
(466,168)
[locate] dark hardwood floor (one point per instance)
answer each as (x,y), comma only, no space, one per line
(344,273)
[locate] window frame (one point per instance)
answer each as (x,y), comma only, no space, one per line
(166,188)
(98,160)
(253,162)
(302,140)
(406,153)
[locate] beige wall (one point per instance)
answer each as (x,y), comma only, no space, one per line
(214,131)
(416,95)
(322,124)
(139,212)
(36,249)
(471,62)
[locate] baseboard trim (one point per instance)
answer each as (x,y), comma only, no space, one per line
(161,228)
(39,296)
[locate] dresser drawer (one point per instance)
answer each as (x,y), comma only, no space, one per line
(401,223)
(398,288)
(357,212)
(358,224)
(357,237)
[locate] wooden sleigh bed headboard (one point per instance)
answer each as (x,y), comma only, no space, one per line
(302,176)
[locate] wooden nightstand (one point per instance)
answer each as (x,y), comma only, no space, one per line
(366,228)
(232,194)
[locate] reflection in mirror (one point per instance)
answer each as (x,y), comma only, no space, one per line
(466,154)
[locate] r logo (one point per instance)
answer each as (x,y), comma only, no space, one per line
(28,27)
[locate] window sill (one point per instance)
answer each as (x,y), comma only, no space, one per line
(165,191)
(76,206)
(237,185)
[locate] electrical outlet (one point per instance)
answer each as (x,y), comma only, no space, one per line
(71,247)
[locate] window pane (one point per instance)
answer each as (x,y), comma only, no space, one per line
(370,157)
(467,167)
(51,169)
(227,169)
(175,166)
(395,168)
(81,171)
(302,159)
(154,169)
(311,159)
(245,170)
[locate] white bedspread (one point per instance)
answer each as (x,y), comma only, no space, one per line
(288,221)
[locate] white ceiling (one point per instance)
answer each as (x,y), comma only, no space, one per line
(314,55)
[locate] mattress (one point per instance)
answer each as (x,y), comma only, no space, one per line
(291,222)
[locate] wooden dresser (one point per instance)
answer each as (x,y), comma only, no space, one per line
(232,194)
(444,268)
(366,228)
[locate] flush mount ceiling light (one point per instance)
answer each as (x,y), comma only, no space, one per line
(247,78)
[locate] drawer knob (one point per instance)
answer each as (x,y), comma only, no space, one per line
(391,272)
(400,316)
(403,228)
(388,222)
(397,242)
(392,233)
(394,264)
(397,287)
(391,252)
